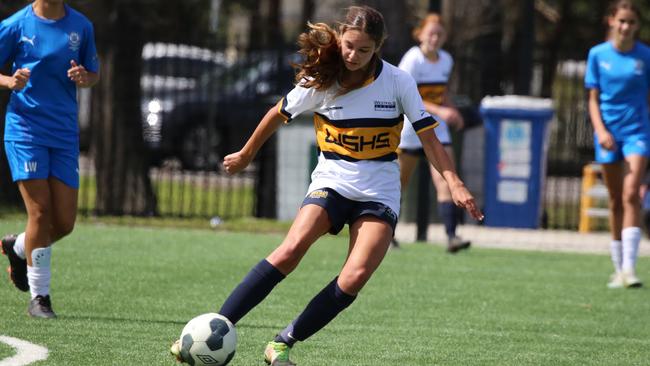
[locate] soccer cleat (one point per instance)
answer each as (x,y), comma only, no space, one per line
(17,266)
(457,244)
(277,354)
(175,350)
(630,280)
(394,244)
(41,307)
(616,280)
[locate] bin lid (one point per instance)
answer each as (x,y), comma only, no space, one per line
(517,102)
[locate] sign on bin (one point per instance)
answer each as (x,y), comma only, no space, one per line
(515,159)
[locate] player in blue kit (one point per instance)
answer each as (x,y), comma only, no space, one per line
(358,102)
(52,50)
(618,79)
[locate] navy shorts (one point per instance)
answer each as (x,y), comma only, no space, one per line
(343,211)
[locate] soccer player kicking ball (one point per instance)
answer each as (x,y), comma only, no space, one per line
(52,50)
(357,101)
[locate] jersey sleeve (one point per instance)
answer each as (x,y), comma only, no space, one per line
(591,72)
(8,41)
(88,53)
(412,106)
(407,63)
(298,101)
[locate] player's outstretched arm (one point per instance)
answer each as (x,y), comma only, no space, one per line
(438,158)
(236,162)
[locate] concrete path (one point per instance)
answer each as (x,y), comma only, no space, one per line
(523,239)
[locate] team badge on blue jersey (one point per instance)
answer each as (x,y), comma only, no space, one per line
(74,41)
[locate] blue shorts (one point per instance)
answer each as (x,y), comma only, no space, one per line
(29,161)
(638,144)
(343,211)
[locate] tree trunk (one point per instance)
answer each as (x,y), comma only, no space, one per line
(123,183)
(9,195)
(475,35)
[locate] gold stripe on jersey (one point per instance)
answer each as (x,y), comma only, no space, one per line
(358,139)
(283,111)
(433,92)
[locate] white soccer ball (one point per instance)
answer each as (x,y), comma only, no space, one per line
(209,339)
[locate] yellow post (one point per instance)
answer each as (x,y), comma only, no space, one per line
(586,201)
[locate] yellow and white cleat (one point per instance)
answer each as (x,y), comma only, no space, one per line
(277,354)
(175,350)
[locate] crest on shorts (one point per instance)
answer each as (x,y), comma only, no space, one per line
(318,194)
(74,41)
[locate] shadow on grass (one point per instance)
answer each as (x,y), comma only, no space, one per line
(155,321)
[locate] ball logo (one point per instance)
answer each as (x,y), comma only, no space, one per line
(74,41)
(207,359)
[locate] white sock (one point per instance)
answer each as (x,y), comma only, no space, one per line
(19,246)
(616,250)
(630,236)
(39,273)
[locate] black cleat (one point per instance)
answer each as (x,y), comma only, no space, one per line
(394,244)
(41,307)
(17,266)
(457,244)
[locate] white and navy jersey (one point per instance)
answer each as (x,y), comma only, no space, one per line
(431,78)
(358,133)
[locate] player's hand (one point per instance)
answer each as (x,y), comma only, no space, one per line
(452,117)
(78,74)
(19,79)
(462,198)
(236,162)
(606,140)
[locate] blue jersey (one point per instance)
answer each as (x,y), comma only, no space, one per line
(45,111)
(623,79)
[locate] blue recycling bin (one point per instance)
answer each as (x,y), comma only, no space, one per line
(516,145)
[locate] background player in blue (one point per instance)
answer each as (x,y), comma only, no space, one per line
(52,50)
(357,101)
(618,79)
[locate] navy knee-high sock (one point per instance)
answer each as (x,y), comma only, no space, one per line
(449,216)
(321,310)
(257,284)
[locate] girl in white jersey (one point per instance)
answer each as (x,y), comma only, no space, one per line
(357,101)
(431,67)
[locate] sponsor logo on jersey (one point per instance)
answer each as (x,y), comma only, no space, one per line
(318,194)
(638,67)
(333,108)
(26,39)
(74,41)
(605,65)
(385,106)
(358,143)
(31,166)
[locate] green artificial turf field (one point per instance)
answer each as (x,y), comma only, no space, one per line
(123,294)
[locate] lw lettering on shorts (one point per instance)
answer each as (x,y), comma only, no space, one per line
(31,166)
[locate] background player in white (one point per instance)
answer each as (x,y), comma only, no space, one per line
(52,50)
(358,101)
(431,67)
(618,79)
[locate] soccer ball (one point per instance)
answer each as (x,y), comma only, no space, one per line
(209,339)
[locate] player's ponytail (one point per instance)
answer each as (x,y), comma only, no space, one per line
(322,60)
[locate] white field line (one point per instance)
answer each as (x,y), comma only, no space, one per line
(26,352)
